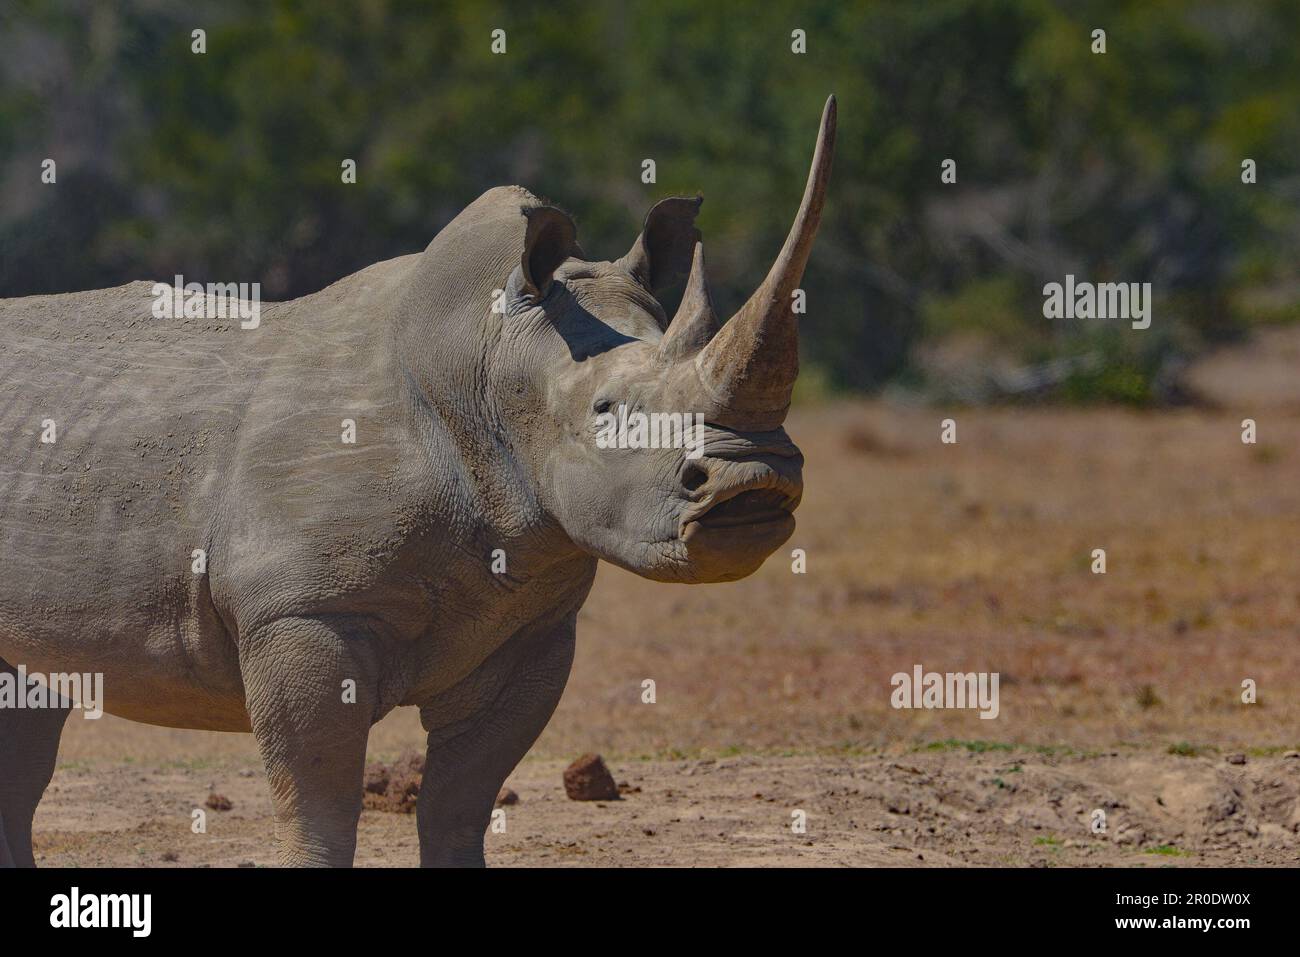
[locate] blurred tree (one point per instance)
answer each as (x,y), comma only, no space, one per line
(1122,166)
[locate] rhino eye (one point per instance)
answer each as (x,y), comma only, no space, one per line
(601,406)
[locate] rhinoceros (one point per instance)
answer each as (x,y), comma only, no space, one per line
(183,513)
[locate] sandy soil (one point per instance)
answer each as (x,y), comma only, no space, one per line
(933,808)
(1119,691)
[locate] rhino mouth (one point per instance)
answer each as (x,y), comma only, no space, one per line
(765,501)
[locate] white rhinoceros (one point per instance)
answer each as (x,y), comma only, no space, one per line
(198,531)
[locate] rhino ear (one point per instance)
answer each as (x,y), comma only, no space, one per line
(549,240)
(661,256)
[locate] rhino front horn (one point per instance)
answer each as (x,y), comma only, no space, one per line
(751,364)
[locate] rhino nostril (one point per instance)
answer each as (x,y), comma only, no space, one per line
(693,476)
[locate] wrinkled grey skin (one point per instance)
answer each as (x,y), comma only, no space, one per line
(372,563)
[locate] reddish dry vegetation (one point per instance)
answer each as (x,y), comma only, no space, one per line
(1119,692)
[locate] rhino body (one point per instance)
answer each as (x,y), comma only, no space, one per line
(373,565)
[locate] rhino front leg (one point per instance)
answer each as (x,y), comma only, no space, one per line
(310,690)
(469,759)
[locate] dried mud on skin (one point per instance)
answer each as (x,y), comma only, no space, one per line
(923,808)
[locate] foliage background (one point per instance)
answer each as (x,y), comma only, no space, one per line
(1116,167)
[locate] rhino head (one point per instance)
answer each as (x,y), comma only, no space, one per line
(577,344)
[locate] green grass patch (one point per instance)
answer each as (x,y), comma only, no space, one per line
(978,747)
(1166,850)
(188,764)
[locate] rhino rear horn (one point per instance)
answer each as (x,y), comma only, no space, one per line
(696,322)
(751,364)
(549,240)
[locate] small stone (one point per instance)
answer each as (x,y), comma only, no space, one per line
(506,796)
(587,779)
(1236,758)
(218,802)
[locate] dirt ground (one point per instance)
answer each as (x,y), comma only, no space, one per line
(1119,692)
(933,808)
